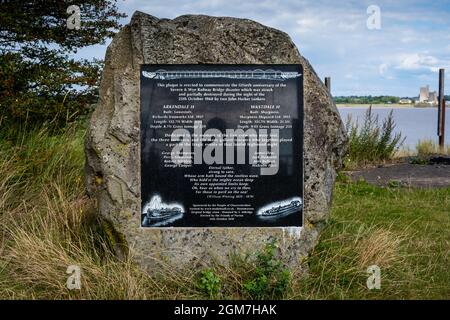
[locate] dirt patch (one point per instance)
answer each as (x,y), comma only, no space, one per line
(405,174)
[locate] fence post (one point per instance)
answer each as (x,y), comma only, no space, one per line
(328,83)
(441,111)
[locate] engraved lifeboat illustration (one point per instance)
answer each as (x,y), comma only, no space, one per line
(280,209)
(156,213)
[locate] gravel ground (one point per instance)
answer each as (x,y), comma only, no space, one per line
(405,174)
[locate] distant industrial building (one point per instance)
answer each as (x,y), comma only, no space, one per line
(425,96)
(424,93)
(433,97)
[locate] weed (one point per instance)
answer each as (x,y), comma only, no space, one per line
(394,184)
(372,143)
(271,278)
(209,283)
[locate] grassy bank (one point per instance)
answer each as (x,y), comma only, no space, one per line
(403,231)
(47,223)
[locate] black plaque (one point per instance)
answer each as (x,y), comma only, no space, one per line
(221,145)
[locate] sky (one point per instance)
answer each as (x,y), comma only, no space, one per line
(393,55)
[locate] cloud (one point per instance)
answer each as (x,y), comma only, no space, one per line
(351,76)
(382,68)
(418,61)
(309,24)
(385,71)
(413,40)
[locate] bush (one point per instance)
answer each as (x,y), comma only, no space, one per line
(270,279)
(372,143)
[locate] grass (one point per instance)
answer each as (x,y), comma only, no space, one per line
(403,231)
(47,224)
(423,151)
(426,148)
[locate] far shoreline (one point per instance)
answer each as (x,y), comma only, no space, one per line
(383,105)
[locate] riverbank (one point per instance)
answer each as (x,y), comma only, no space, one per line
(383,105)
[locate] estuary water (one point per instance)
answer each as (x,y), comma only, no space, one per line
(414,123)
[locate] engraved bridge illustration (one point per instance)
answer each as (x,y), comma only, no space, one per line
(162,74)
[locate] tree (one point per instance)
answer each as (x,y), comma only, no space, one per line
(39,80)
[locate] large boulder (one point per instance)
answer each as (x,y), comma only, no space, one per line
(113,137)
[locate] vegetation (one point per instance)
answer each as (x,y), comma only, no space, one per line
(401,230)
(427,148)
(269,279)
(372,142)
(374,99)
(258,276)
(423,152)
(209,283)
(39,81)
(47,223)
(366,99)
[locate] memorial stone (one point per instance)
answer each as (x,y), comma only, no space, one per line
(211,136)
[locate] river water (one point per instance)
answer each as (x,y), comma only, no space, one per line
(414,123)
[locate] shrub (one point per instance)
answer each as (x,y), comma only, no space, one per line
(372,143)
(270,279)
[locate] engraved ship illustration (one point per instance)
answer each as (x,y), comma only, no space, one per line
(158,214)
(281,210)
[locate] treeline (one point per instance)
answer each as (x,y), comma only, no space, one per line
(373,99)
(366,99)
(40,81)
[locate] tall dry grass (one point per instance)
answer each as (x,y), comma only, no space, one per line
(423,150)
(379,247)
(47,224)
(426,148)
